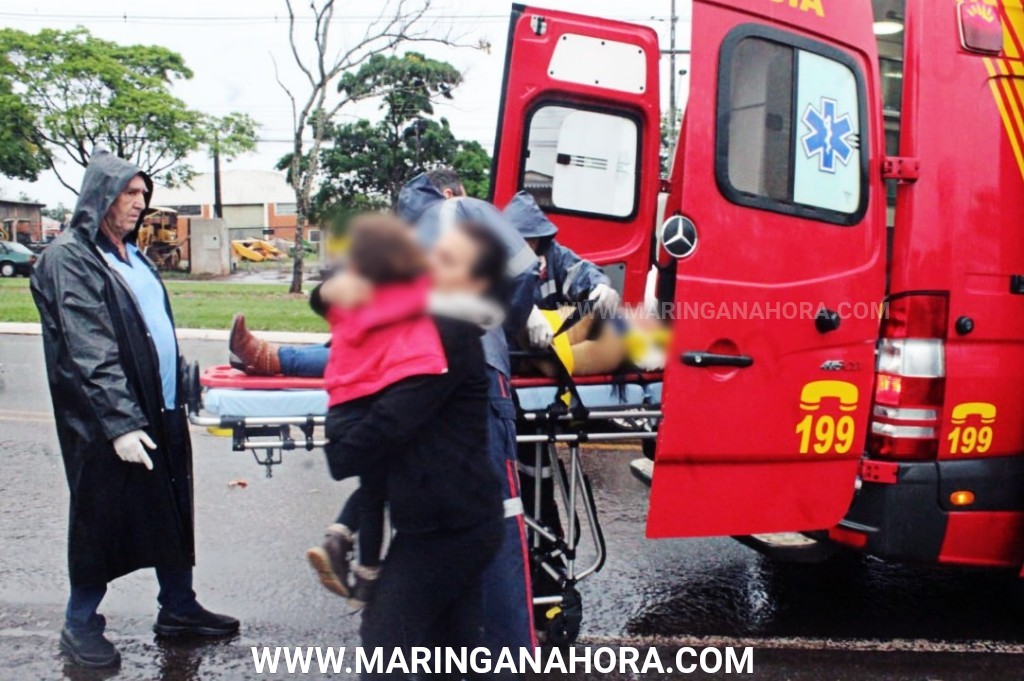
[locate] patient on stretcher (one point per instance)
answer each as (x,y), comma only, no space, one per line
(576,315)
(576,312)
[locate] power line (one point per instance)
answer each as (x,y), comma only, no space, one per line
(259,20)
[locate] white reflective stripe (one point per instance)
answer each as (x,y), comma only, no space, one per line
(571,274)
(890,430)
(521,261)
(548,288)
(545,471)
(514,507)
(905,414)
(446,214)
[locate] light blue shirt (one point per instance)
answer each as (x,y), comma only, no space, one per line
(152,301)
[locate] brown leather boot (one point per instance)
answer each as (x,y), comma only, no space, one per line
(250,354)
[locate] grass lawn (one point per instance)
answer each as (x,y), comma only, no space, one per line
(198,305)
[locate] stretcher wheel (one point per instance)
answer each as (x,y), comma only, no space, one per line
(563,621)
(191,388)
(648,448)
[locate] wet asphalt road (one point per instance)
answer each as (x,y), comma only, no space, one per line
(852,618)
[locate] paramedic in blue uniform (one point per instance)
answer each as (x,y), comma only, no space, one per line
(112,364)
(506,590)
(565,279)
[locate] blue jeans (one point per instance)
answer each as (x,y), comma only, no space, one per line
(307,361)
(176,596)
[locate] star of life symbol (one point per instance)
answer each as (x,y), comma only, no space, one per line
(831,137)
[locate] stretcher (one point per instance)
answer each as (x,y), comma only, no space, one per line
(270,416)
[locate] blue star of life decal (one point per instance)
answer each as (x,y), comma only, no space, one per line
(831,137)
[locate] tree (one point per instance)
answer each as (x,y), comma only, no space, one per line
(367,163)
(58,212)
(20,156)
(322,65)
(84,92)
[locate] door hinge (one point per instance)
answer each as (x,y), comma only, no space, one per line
(901,168)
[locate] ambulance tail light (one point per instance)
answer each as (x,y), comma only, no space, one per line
(910,380)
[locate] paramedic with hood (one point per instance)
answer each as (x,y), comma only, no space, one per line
(112,363)
(507,596)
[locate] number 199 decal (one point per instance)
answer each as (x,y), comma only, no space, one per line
(972,428)
(823,432)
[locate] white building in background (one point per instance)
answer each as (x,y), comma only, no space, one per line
(254,202)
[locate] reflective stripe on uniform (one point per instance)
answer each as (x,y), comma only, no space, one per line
(513,507)
(572,273)
(548,288)
(521,261)
(545,471)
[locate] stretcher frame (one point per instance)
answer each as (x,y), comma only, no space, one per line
(566,421)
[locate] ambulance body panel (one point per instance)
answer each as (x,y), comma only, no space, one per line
(839,367)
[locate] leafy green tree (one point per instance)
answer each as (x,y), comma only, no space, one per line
(21,157)
(366,163)
(58,212)
(84,92)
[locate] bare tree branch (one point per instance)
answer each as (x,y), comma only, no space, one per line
(399,21)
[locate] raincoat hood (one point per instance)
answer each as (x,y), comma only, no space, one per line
(527,217)
(521,269)
(105,178)
(416,197)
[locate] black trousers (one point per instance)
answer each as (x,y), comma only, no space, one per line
(363,513)
(429,590)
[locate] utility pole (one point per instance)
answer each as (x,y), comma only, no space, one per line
(218,207)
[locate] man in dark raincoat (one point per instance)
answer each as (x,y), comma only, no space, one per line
(113,367)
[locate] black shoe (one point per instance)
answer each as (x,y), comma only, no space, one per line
(202,623)
(89,648)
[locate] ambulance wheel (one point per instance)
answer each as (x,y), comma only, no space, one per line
(564,621)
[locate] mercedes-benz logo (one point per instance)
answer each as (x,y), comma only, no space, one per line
(679,236)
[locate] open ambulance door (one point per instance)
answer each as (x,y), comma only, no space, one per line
(776,222)
(579,129)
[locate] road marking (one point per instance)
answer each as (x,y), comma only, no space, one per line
(29,416)
(907,645)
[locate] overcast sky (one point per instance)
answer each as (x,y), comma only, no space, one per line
(228,45)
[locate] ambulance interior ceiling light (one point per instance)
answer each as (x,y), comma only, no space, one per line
(888,27)
(891,24)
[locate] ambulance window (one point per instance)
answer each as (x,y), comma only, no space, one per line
(581,161)
(789,137)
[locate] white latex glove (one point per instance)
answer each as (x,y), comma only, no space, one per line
(653,360)
(131,448)
(539,329)
(605,299)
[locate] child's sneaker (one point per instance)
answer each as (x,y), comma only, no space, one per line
(331,559)
(363,587)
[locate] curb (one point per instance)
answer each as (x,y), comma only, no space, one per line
(297,337)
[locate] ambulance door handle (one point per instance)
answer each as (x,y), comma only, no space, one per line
(710,359)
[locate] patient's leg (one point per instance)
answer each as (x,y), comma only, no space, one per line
(602,355)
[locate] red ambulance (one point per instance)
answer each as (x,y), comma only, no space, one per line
(839,245)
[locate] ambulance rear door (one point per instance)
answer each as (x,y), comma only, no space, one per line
(579,129)
(777,226)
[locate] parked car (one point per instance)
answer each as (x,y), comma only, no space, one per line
(15,259)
